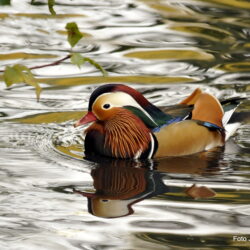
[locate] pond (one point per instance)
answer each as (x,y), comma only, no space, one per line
(52,198)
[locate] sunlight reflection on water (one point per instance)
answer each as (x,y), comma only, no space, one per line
(164,49)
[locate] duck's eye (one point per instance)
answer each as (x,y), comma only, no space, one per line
(106,106)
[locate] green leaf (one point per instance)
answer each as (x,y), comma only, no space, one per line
(74,35)
(11,76)
(30,80)
(77,59)
(96,65)
(51,4)
(4,2)
(21,74)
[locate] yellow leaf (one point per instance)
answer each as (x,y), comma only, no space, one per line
(21,74)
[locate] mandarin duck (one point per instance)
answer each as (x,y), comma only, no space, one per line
(126,125)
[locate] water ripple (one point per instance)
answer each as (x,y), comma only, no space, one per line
(165,49)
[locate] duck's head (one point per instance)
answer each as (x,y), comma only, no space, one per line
(107,98)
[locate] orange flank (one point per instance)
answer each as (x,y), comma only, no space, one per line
(185,138)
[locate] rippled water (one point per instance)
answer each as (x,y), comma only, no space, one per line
(165,49)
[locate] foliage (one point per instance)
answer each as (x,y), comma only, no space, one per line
(79,60)
(74,35)
(21,74)
(51,4)
(4,2)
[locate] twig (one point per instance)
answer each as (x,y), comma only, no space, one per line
(52,64)
(47,65)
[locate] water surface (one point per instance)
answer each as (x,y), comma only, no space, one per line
(165,49)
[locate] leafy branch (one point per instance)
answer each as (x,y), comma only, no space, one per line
(19,73)
(74,36)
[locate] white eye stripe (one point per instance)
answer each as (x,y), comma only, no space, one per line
(119,99)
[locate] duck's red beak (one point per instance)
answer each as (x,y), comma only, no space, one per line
(89,117)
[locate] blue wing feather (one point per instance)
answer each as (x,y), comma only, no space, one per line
(176,119)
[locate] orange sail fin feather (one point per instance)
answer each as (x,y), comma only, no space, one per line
(190,100)
(208,109)
(126,125)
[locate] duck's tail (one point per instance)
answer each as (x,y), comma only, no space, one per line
(232,120)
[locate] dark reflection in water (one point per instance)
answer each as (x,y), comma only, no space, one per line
(119,184)
(119,187)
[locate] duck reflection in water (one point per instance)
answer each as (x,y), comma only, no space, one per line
(119,184)
(119,187)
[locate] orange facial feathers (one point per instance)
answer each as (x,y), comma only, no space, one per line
(126,135)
